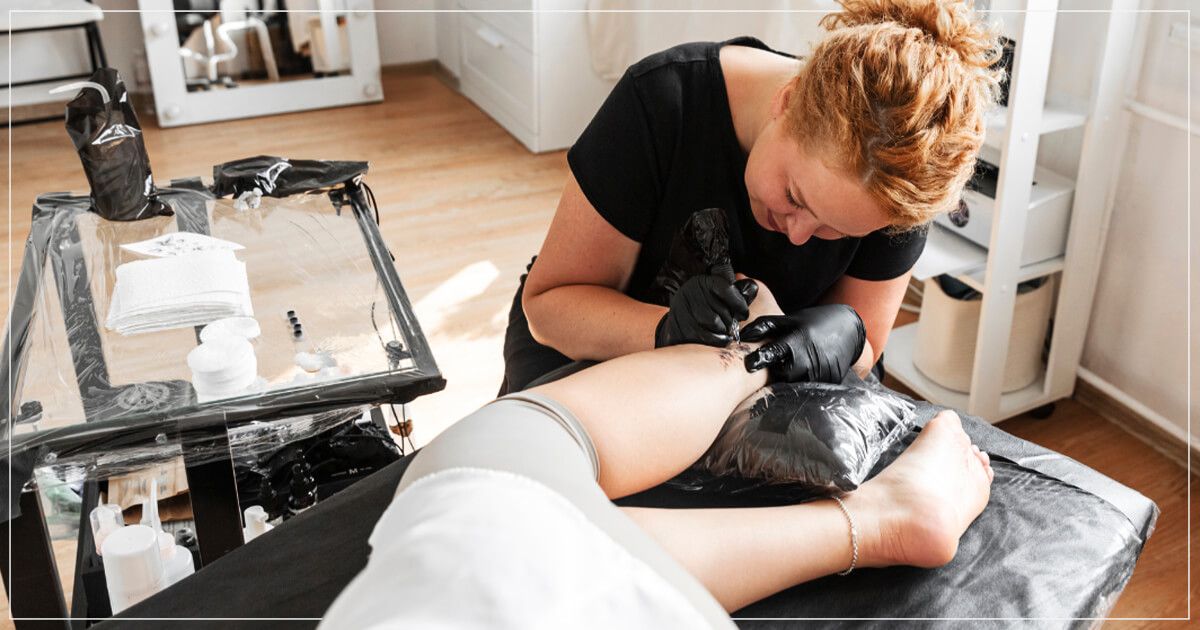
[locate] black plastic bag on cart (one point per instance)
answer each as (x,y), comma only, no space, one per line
(280,177)
(797,441)
(106,134)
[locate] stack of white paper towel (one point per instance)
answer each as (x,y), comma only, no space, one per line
(179,291)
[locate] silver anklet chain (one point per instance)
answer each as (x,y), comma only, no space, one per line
(853,537)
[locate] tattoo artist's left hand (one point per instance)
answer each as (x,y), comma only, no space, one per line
(820,343)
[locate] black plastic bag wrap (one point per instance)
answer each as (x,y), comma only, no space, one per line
(108,139)
(281,177)
(796,441)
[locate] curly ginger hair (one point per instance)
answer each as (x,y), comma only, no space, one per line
(896,94)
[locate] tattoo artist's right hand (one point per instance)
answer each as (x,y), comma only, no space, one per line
(705,309)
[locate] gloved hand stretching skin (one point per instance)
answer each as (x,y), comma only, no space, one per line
(707,309)
(820,343)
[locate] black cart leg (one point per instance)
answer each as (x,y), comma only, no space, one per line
(213,490)
(93,60)
(95,43)
(1043,412)
(35,596)
(86,560)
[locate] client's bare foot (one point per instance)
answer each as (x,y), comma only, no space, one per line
(914,512)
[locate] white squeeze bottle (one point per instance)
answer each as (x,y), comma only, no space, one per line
(176,559)
(132,566)
(256,523)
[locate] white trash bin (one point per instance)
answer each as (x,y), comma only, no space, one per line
(946,331)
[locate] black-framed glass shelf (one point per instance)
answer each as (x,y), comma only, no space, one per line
(75,384)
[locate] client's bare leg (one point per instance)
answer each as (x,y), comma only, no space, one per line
(913,513)
(653,414)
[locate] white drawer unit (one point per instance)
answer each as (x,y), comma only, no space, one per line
(513,18)
(497,73)
(1046,223)
(527,68)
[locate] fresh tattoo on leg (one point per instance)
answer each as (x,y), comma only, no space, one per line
(734,353)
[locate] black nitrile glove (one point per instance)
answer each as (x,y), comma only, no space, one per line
(820,343)
(706,309)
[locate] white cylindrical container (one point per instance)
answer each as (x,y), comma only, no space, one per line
(945,350)
(223,366)
(132,566)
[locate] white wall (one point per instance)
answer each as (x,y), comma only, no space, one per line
(647,33)
(403,38)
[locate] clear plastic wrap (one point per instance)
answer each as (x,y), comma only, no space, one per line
(801,440)
(77,388)
(248,443)
(336,445)
(337,448)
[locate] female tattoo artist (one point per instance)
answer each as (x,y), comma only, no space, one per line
(827,168)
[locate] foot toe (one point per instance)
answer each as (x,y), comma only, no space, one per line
(986,461)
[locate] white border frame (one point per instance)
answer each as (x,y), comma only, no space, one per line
(175,106)
(1187,128)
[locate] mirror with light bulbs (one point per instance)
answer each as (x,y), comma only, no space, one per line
(223,59)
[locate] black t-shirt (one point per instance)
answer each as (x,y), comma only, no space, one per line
(663,146)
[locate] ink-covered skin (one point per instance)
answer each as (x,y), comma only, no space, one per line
(735,353)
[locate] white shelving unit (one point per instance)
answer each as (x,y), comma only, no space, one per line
(995,271)
(1053,119)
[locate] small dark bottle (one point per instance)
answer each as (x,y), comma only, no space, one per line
(303,488)
(186,538)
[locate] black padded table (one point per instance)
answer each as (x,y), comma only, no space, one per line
(1057,542)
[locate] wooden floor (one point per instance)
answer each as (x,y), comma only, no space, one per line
(464,206)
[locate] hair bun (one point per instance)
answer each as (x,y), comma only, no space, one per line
(950,23)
